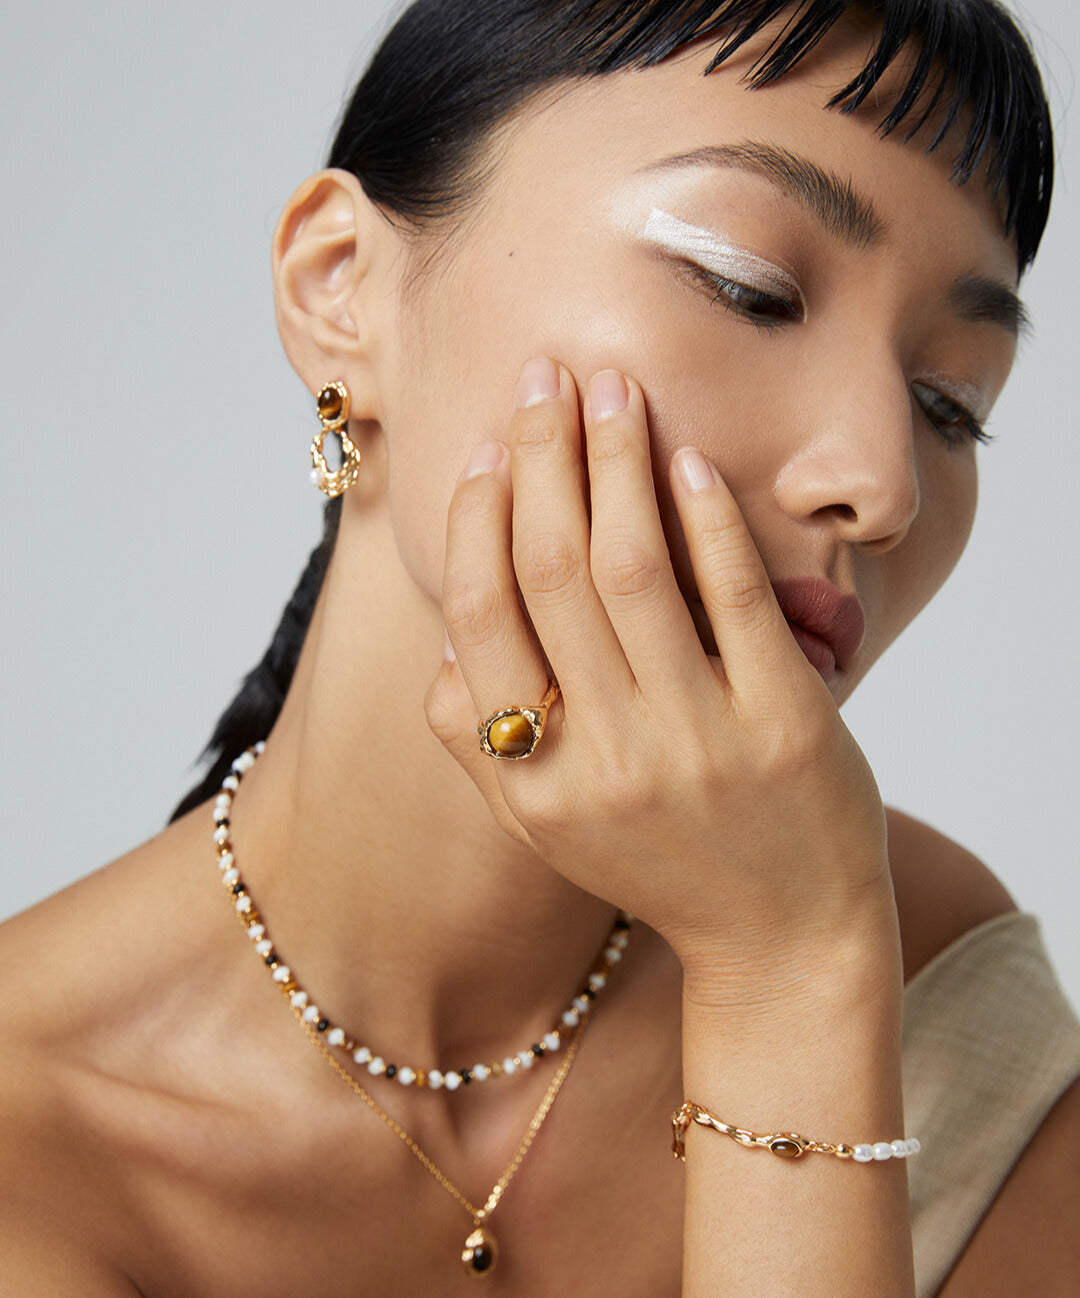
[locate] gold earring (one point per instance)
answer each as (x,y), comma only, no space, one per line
(333,407)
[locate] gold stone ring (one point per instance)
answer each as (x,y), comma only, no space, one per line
(515,732)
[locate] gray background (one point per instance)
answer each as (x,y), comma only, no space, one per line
(156,508)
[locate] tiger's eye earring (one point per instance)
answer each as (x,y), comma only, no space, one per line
(333,406)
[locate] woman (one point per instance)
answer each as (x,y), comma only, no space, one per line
(658,395)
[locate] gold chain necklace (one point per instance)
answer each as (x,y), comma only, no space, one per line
(480,1251)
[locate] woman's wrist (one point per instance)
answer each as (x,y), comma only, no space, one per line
(812,968)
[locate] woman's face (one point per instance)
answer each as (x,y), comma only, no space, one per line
(810,305)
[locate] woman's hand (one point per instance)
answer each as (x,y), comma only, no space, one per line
(721,800)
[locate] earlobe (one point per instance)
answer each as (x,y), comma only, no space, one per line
(324,249)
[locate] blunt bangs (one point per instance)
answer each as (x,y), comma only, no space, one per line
(470,63)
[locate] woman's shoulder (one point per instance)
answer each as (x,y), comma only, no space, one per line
(55,1228)
(86,973)
(942,889)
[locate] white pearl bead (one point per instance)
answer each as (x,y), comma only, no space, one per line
(260,746)
(377,1066)
(223,802)
(597,980)
(406,1076)
(581,1004)
(452,1081)
(221,835)
(913,1146)
(361,1055)
(336,1037)
(882,1151)
(282,973)
(243,904)
(244,763)
(620,940)
(435,1079)
(612,954)
(526,1058)
(510,1065)
(255,932)
(231,783)
(481,1072)
(264,947)
(551,1040)
(311,1014)
(864,1153)
(298,1000)
(571,1018)
(899,1149)
(230,877)
(225,861)
(315,476)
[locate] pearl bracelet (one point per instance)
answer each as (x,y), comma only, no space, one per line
(784,1144)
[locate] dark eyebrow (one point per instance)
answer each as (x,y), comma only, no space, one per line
(988,301)
(851,216)
(832,199)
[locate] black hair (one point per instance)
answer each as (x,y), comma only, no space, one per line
(449,72)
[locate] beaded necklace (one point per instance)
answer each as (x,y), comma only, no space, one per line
(480,1251)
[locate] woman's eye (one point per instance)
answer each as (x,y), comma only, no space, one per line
(955,424)
(753,304)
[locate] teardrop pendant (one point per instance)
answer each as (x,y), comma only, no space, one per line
(480,1253)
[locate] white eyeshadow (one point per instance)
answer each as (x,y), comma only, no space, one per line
(712,253)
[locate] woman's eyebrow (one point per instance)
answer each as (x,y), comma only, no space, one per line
(833,200)
(850,216)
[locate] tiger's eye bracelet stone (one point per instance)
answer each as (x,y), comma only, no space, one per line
(377,1066)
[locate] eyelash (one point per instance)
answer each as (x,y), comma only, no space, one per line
(976,432)
(785,312)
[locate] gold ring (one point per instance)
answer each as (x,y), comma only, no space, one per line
(514,732)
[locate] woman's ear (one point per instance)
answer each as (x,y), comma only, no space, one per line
(330,244)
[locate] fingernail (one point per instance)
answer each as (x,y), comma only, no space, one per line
(448,650)
(695,470)
(538,381)
(483,459)
(608,394)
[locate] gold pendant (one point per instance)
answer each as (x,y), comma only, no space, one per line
(480,1252)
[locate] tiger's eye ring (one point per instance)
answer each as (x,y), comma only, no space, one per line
(514,732)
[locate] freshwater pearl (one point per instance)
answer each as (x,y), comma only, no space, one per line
(513,730)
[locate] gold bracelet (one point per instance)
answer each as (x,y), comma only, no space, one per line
(784,1144)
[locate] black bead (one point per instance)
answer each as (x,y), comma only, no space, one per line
(589,994)
(237,888)
(271,958)
(538,1051)
(391,1070)
(322,1025)
(466,1076)
(481,1258)
(622,924)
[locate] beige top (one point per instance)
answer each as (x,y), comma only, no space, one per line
(990,1043)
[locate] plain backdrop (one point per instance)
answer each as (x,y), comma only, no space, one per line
(156,507)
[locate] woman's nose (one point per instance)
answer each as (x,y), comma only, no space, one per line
(854,464)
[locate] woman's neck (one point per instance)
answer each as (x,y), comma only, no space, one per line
(411,918)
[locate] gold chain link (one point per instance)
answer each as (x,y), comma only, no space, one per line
(786,1144)
(477,1214)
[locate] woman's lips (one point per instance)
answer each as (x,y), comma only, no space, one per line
(826,625)
(818,651)
(817,608)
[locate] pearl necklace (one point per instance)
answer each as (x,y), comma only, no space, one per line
(311,1016)
(480,1251)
